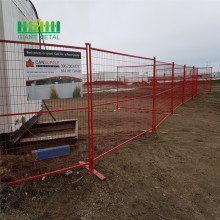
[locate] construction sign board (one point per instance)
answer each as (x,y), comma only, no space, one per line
(52,74)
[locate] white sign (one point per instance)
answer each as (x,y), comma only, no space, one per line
(52,74)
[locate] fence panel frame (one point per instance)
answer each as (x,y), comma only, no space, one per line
(193,84)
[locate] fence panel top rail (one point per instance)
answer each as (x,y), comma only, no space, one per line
(122,54)
(41,44)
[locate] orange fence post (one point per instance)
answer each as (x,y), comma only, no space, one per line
(184,83)
(154,98)
(90,167)
(193,72)
(196,81)
(88,94)
(117,90)
(210,89)
(172,84)
(91,162)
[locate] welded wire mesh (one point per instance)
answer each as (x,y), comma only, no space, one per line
(204,79)
(122,97)
(163,91)
(28,125)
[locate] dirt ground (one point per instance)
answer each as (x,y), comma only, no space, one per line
(157,176)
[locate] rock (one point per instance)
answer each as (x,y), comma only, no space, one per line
(69,172)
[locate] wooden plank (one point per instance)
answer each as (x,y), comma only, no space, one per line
(56,122)
(15,136)
(47,137)
(53,128)
(76,129)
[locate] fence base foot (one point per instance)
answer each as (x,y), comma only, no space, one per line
(117,108)
(159,132)
(177,114)
(162,132)
(95,172)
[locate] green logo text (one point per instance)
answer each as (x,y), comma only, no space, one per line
(29,30)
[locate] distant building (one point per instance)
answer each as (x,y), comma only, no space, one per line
(122,76)
(216,75)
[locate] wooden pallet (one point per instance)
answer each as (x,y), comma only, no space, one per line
(52,130)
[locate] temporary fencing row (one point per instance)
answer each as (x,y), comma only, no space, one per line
(124,97)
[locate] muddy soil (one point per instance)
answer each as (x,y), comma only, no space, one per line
(172,175)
